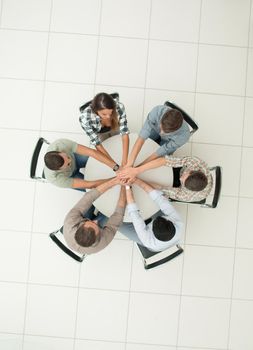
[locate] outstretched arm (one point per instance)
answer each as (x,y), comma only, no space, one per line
(101,157)
(107,185)
(79,183)
(130,173)
(102,150)
(135,151)
(144,185)
(125,146)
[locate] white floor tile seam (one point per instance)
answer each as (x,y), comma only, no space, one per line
(98,45)
(147,60)
(77,300)
(35,190)
(130,292)
(125,86)
(126,37)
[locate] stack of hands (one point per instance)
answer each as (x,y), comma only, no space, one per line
(127,175)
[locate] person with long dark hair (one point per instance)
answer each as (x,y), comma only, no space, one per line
(103,118)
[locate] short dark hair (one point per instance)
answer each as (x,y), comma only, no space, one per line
(53,160)
(163,229)
(196,181)
(85,236)
(172,120)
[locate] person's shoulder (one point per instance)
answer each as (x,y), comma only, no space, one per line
(86,113)
(158,111)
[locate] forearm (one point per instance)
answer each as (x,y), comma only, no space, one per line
(78,183)
(153,156)
(122,198)
(101,157)
(107,185)
(101,149)
(135,151)
(125,149)
(129,196)
(144,185)
(152,164)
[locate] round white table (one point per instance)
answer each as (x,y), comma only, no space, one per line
(107,202)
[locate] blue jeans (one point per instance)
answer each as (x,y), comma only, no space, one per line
(80,163)
(128,230)
(101,218)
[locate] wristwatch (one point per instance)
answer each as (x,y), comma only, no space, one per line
(128,187)
(116,167)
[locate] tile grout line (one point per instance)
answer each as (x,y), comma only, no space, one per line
(98,46)
(194,296)
(168,346)
(35,185)
(147,60)
(143,107)
(1,12)
(94,85)
(129,295)
(77,304)
(127,37)
(239,181)
(127,86)
(187,211)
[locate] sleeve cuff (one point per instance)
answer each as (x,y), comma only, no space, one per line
(132,207)
(143,134)
(155,194)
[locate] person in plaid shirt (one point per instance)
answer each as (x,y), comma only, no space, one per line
(103,118)
(195,180)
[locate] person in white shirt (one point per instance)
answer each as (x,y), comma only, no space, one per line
(160,232)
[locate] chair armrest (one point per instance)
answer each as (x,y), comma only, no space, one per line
(35,157)
(64,248)
(217,189)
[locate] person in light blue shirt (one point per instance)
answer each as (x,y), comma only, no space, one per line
(162,231)
(167,127)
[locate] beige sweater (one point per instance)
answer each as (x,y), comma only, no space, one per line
(75,218)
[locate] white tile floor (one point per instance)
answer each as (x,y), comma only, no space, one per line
(55,55)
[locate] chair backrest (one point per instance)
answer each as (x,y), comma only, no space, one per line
(187,118)
(82,108)
(216,192)
(58,238)
(153,259)
(217,188)
(35,157)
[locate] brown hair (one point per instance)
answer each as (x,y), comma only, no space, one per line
(53,160)
(172,120)
(85,236)
(105,101)
(196,181)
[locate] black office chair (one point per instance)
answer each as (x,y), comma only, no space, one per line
(58,238)
(187,118)
(154,259)
(82,108)
(35,158)
(216,193)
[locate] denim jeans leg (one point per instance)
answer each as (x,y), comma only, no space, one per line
(101,219)
(80,163)
(127,229)
(89,214)
(80,160)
